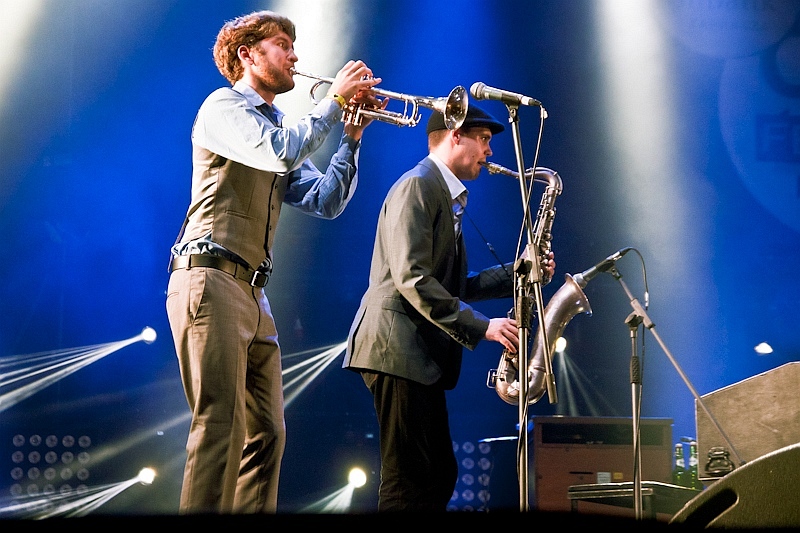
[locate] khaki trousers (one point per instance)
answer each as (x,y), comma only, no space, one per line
(229,357)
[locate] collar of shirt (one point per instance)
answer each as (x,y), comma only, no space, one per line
(455,186)
(255,99)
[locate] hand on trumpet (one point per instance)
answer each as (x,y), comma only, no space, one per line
(353,78)
(354,83)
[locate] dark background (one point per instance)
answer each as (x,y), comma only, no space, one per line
(673,125)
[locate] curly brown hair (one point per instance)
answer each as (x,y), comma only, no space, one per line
(246,30)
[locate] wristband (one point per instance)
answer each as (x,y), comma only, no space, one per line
(339,98)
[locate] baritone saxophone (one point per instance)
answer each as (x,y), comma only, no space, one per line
(568,301)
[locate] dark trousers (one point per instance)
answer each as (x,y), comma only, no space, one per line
(418,464)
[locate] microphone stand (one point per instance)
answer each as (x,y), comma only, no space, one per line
(528,277)
(633,321)
(640,315)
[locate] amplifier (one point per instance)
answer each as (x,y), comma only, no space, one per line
(566,451)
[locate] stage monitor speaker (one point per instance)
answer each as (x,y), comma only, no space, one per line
(759,415)
(761,494)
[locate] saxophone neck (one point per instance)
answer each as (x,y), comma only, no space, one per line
(541,174)
(548,177)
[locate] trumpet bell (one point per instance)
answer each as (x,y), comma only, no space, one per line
(455,108)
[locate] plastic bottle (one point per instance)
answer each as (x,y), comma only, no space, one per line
(693,479)
(679,466)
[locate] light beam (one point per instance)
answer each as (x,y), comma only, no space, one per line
(22,376)
(72,503)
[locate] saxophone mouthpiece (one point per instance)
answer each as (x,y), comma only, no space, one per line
(494,168)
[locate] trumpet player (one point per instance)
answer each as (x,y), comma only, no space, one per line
(246,165)
(408,334)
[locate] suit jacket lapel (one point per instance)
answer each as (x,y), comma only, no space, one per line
(446,199)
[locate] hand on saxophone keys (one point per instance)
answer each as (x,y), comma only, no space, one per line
(504,331)
(548,267)
(547,264)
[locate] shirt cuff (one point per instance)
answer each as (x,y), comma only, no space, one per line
(353,144)
(330,108)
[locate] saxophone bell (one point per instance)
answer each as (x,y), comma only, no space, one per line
(568,301)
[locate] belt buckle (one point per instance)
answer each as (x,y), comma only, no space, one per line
(260,279)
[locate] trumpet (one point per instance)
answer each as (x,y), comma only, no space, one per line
(454,106)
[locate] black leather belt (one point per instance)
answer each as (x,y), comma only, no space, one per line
(256,278)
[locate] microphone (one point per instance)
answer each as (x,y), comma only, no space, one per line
(481,91)
(603,266)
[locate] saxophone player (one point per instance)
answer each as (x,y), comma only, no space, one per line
(407,337)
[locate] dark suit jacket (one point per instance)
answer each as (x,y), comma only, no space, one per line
(414,320)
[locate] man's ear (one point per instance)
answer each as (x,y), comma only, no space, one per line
(243,53)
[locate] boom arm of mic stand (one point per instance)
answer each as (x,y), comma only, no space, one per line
(638,309)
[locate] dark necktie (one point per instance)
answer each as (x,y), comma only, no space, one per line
(269,112)
(459,204)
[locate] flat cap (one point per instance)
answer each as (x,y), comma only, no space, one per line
(475,117)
